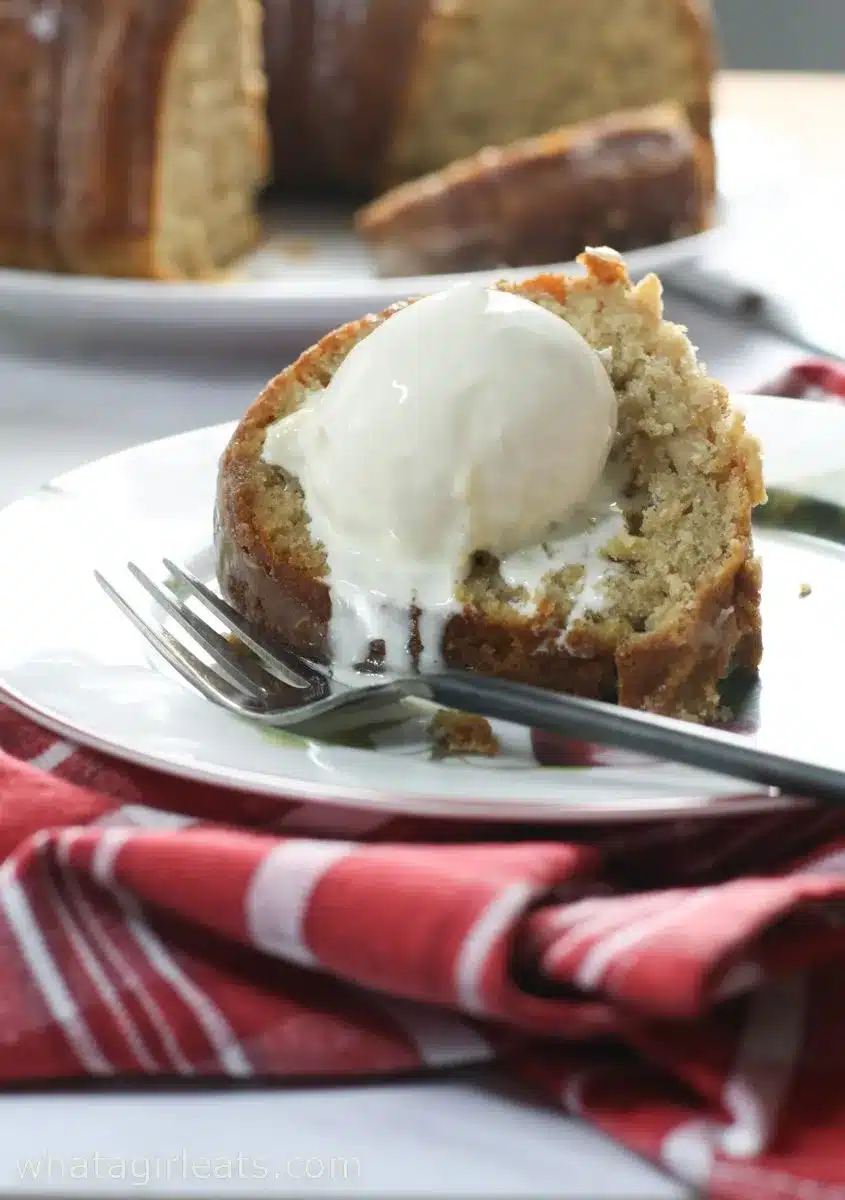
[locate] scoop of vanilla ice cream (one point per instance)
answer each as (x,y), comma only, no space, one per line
(470,420)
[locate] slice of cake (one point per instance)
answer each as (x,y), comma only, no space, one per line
(134,141)
(646,591)
(632,179)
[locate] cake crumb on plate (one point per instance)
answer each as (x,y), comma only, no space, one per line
(457,733)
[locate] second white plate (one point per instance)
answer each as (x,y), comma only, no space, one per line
(312,274)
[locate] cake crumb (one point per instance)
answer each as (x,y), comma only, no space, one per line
(457,733)
(804,590)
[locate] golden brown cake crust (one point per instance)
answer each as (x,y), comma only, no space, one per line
(106,135)
(337,78)
(29,70)
(629,179)
(83,128)
(672,668)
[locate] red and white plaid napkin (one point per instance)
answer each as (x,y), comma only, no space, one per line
(681,985)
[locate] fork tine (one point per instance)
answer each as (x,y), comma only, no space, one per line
(192,669)
(234,670)
(306,673)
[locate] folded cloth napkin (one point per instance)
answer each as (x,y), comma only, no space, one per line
(680,985)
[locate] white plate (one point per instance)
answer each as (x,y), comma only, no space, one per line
(277,289)
(68,658)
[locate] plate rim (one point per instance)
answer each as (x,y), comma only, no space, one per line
(210,298)
(375,798)
(23,293)
(420,804)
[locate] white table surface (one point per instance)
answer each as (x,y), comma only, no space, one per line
(464,1136)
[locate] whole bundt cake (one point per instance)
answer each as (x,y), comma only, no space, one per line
(134,134)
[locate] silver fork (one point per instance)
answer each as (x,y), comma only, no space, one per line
(271,684)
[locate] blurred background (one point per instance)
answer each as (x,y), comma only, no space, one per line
(794,35)
(783,176)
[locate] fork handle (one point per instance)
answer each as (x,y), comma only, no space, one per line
(644,733)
